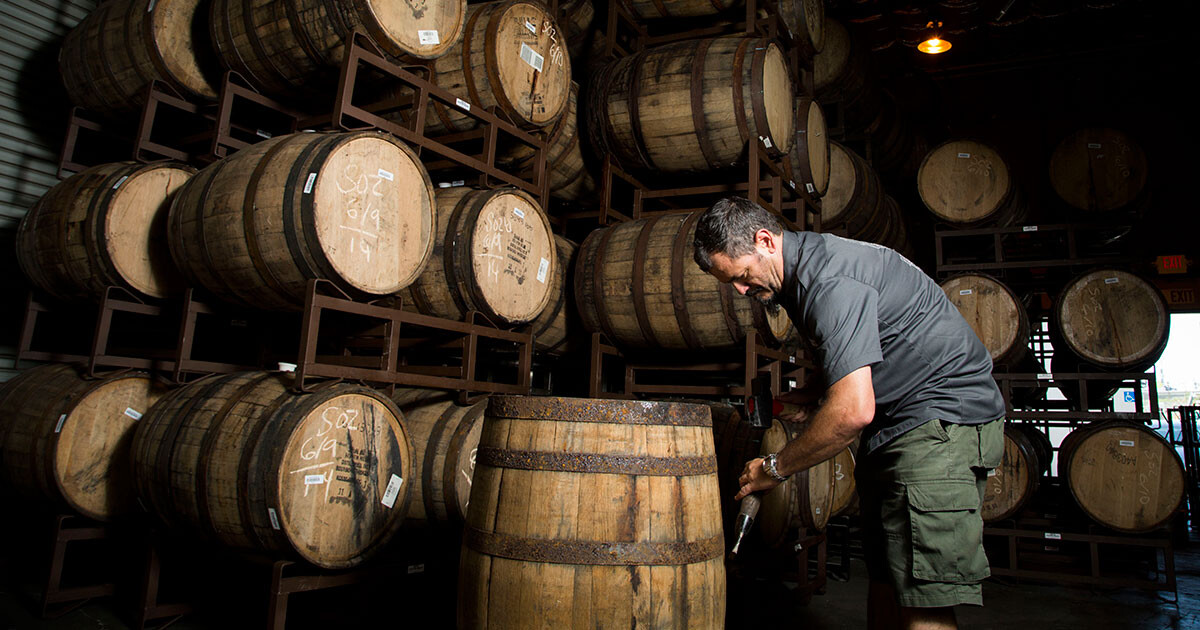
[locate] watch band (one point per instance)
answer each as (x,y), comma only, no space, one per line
(769,466)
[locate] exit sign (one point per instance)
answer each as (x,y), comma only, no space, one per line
(1176,263)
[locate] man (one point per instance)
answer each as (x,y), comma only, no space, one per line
(904,370)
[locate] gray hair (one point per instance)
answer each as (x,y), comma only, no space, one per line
(728,227)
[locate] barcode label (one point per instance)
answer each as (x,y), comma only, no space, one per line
(1111,281)
(531,26)
(462,104)
(416,568)
(810,188)
(1093,145)
(792,183)
(133,413)
(964,155)
(1044,377)
(519,212)
(1127,443)
(263,134)
(966,292)
(428,38)
(766,141)
(392,490)
(312,480)
(120,181)
(274,518)
(1029,228)
(61,420)
(386,175)
(543,267)
(1053,536)
(312,177)
(531,57)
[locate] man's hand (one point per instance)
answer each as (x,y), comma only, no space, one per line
(754,479)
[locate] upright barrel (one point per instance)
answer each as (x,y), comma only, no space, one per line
(693,105)
(110,58)
(804,500)
(636,282)
(445,437)
(286,47)
(1112,319)
(512,57)
(619,496)
(967,183)
(994,312)
(1099,170)
(493,253)
(1122,474)
(355,208)
(65,438)
(244,461)
(104,226)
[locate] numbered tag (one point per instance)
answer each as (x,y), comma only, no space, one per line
(274,518)
(1053,536)
(61,420)
(964,155)
(428,38)
(966,292)
(1127,443)
(465,106)
(1029,228)
(392,490)
(312,480)
(386,175)
(133,413)
(531,57)
(308,184)
(1044,377)
(120,181)
(1111,280)
(543,267)
(519,212)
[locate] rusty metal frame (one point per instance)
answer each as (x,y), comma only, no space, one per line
(237,92)
(57,600)
(809,542)
(1147,405)
(622,24)
(160,96)
(391,366)
(996,259)
(79,121)
(755,358)
(349,114)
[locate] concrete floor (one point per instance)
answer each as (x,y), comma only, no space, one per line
(1027,606)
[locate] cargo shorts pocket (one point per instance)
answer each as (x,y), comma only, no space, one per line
(947,532)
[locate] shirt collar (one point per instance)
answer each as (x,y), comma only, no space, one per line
(791,259)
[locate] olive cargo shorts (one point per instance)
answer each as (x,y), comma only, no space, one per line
(920,496)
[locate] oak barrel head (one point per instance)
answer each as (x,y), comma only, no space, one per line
(964,182)
(1011,484)
(1113,319)
(1098,170)
(994,312)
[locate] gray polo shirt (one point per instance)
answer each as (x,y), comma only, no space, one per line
(863,304)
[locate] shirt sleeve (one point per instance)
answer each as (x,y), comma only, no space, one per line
(843,326)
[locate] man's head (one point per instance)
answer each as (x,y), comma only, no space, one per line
(740,242)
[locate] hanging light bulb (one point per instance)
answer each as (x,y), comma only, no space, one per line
(934,44)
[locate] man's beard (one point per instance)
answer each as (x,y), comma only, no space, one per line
(770,301)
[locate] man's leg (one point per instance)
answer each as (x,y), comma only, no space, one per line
(928,619)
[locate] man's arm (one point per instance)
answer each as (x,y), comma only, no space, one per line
(848,408)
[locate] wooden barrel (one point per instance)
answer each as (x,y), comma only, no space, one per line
(897,149)
(292,47)
(693,105)
(654,9)
(854,199)
(445,436)
(512,57)
(1016,479)
(967,183)
(994,312)
(1099,170)
(636,282)
(579,26)
(110,58)
(493,253)
(557,329)
(104,226)
(64,438)
(842,75)
(845,491)
(353,208)
(886,227)
(1113,319)
(570,178)
(809,154)
(805,20)
(620,496)
(1122,474)
(804,500)
(736,442)
(244,461)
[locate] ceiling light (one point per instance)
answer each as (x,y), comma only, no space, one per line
(933,44)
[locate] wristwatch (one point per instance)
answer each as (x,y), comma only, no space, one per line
(769,467)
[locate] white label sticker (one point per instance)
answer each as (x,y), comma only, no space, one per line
(543,267)
(531,26)
(263,134)
(428,38)
(792,183)
(1044,377)
(150,7)
(61,420)
(1093,145)
(531,57)
(392,490)
(1111,280)
(133,413)
(791,358)
(120,181)
(458,182)
(1127,443)
(817,511)
(964,155)
(312,480)
(416,568)
(462,104)
(810,188)
(274,518)
(966,292)
(312,177)
(386,175)
(1029,228)
(992,472)
(766,141)
(519,212)
(1053,536)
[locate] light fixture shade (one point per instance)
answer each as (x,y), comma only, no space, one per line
(934,46)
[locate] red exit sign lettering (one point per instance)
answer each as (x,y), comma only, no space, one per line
(1176,263)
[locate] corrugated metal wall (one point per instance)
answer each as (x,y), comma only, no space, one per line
(33,113)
